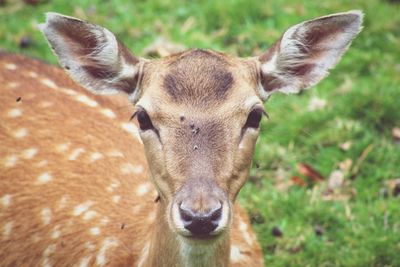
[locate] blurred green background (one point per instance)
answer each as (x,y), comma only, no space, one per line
(325,186)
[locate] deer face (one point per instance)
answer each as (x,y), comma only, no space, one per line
(199,117)
(199,111)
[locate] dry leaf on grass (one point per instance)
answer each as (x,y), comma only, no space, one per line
(309,172)
(316,103)
(336,179)
(346,145)
(162,47)
(396,133)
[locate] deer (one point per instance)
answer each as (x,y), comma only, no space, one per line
(81,184)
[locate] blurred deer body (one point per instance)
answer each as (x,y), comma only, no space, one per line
(74,187)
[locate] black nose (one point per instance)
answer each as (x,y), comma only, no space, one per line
(200,223)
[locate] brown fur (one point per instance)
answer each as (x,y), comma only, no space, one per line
(52,118)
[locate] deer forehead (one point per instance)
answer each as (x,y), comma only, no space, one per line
(198,79)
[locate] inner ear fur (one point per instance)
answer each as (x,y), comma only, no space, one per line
(306,52)
(92,55)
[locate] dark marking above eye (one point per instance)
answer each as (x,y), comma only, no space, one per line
(198,76)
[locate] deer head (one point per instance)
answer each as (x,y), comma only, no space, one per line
(199,111)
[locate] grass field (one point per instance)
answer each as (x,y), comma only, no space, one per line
(322,189)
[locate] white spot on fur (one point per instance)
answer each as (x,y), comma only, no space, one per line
(129,168)
(151,217)
(94,231)
(89,246)
(236,255)
(21,133)
(81,208)
(29,153)
(114,184)
(46,216)
(7,229)
(49,83)
(10,161)
(6,200)
(32,74)
(85,261)
(15,112)
(101,256)
(68,91)
(45,104)
(108,113)
(243,228)
(136,209)
(104,221)
(62,147)
(10,66)
(48,251)
(46,262)
(132,129)
(88,215)
(115,153)
(44,178)
(56,232)
(86,100)
(96,156)
(42,163)
(143,189)
(116,199)
(12,85)
(63,202)
(75,153)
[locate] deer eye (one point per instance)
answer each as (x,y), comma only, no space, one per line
(254,118)
(144,120)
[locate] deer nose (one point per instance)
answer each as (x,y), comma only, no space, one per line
(200,223)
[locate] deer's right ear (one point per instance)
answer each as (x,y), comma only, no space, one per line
(92,55)
(306,52)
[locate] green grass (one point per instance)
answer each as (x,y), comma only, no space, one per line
(362,106)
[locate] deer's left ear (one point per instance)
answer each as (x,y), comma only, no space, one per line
(92,55)
(306,52)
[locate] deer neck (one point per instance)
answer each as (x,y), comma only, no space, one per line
(168,249)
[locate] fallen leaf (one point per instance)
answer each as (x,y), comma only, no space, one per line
(336,179)
(346,165)
(316,103)
(346,145)
(396,133)
(309,172)
(296,180)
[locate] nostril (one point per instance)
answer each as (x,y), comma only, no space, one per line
(186,214)
(198,223)
(216,214)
